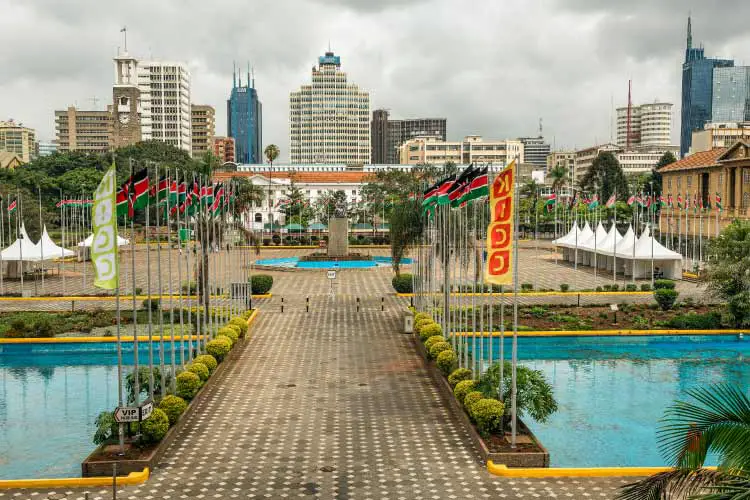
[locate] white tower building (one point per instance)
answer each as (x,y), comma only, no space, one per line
(165,103)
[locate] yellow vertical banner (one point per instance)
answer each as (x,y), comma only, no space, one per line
(104,243)
(500,229)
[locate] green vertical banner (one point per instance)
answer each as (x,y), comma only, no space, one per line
(104,245)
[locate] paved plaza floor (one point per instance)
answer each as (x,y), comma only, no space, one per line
(331,404)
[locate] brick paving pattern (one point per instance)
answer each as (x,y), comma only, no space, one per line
(328,404)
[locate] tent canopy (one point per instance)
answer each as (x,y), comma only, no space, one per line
(88,241)
(569,238)
(49,249)
(317,226)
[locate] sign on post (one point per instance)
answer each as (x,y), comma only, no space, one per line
(124,414)
(331,275)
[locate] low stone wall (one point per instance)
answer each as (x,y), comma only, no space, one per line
(92,468)
(510,459)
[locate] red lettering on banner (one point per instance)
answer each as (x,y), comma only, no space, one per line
(499,235)
(498,262)
(503,184)
(501,210)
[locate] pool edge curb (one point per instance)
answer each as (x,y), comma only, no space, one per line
(76,482)
(502,470)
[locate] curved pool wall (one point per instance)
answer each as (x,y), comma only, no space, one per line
(50,395)
(612,391)
(296,263)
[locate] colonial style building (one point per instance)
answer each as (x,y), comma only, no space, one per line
(699,178)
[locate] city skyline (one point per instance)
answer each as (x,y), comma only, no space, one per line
(576,101)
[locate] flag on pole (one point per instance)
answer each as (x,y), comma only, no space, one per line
(122,200)
(140,190)
(12,206)
(104,242)
(611,201)
(662,201)
(478,185)
(631,199)
(550,202)
(445,186)
(501,227)
(679,200)
(594,202)
(717,200)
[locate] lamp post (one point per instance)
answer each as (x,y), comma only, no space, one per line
(651,183)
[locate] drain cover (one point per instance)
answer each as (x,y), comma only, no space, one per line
(327,468)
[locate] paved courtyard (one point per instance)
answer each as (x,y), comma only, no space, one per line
(333,403)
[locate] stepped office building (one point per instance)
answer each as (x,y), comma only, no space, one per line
(245,120)
(697,90)
(389,135)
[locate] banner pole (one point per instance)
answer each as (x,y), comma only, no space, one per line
(131,202)
(150,300)
(179,270)
(514,395)
(169,278)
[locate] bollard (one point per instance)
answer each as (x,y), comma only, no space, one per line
(307,304)
(282,304)
(72,306)
(357,304)
(411,301)
(382,304)
(579,300)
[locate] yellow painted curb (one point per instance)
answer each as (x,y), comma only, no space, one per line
(105,298)
(690,275)
(543,472)
(92,340)
(601,333)
(76,482)
(529,294)
(252,318)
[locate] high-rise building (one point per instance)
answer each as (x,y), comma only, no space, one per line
(473,149)
(79,130)
(379,137)
(565,159)
(245,120)
(535,150)
(329,120)
(697,90)
(719,135)
(203,123)
(731,95)
(650,125)
(126,102)
(15,138)
(223,148)
(47,148)
(389,135)
(165,103)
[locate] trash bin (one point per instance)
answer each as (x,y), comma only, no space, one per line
(408,322)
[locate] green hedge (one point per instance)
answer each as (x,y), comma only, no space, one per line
(432,340)
(219,347)
(199,369)
(665,297)
(463,388)
(207,360)
(470,399)
(447,361)
(239,323)
(488,415)
(403,283)
(188,384)
(668,284)
(173,407)
(437,348)
(430,330)
(458,375)
(155,427)
(693,321)
(261,283)
(229,333)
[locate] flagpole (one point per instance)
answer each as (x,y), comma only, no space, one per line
(614,249)
(514,361)
(179,272)
(169,278)
(2,247)
(131,214)
(41,231)
(82,224)
(536,239)
(150,300)
(18,233)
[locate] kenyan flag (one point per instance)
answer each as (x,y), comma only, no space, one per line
(550,202)
(631,200)
(442,193)
(207,195)
(679,200)
(594,202)
(159,191)
(478,185)
(611,201)
(430,196)
(173,193)
(717,202)
(662,201)
(122,200)
(12,206)
(139,192)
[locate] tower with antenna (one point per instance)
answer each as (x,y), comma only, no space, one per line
(244,117)
(629,130)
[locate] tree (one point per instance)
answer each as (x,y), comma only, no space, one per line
(728,271)
(715,420)
(325,205)
(248,194)
(534,394)
(406,228)
(605,176)
(655,176)
(271,152)
(298,210)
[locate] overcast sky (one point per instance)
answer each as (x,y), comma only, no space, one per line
(490,67)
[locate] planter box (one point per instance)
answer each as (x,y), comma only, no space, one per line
(95,465)
(537,457)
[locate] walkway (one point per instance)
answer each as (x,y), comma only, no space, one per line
(329,404)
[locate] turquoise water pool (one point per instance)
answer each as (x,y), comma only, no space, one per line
(50,395)
(612,391)
(329,264)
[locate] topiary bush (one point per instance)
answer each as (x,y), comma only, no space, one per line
(188,384)
(173,407)
(422,315)
(447,361)
(246,315)
(239,323)
(631,287)
(403,283)
(430,330)
(437,348)
(155,427)
(564,287)
(418,325)
(261,284)
(463,388)
(665,297)
(199,369)
(207,360)
(661,284)
(458,375)
(488,415)
(230,333)
(470,399)
(219,348)
(432,340)
(646,287)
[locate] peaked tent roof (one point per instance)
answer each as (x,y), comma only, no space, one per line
(613,239)
(49,249)
(596,239)
(570,237)
(625,247)
(22,249)
(88,241)
(645,246)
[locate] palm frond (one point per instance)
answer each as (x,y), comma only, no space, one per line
(677,484)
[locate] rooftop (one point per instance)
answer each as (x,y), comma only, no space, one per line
(701,159)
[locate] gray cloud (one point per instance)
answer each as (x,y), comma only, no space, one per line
(491,68)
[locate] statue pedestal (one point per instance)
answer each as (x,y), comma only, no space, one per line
(338,237)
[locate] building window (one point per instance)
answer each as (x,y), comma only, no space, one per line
(689,180)
(745,200)
(258,217)
(679,182)
(745,175)
(721,178)
(669,183)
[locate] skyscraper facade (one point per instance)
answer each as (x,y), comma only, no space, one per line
(165,103)
(388,135)
(731,95)
(535,150)
(379,137)
(650,125)
(697,90)
(87,131)
(245,120)
(204,128)
(329,120)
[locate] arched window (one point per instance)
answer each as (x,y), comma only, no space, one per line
(258,217)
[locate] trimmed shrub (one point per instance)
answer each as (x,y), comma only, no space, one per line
(41,328)
(230,333)
(199,369)
(152,304)
(631,287)
(430,330)
(189,287)
(564,287)
(527,287)
(599,289)
(188,384)
(447,361)
(459,375)
(488,415)
(418,325)
(239,323)
(403,283)
(660,284)
(470,399)
(219,348)
(173,407)
(614,288)
(246,315)
(432,340)
(420,316)
(646,287)
(463,388)
(665,297)
(437,348)
(261,284)
(207,360)
(155,427)
(694,321)
(233,327)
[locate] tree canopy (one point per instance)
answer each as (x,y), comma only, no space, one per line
(604,177)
